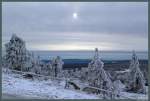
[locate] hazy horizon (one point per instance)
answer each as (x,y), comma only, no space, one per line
(88,50)
(93,50)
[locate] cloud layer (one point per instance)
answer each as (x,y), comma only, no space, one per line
(109,26)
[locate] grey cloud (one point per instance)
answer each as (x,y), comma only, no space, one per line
(95,17)
(53,23)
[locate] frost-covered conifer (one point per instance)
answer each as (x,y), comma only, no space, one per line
(46,68)
(117,87)
(28,62)
(37,67)
(16,55)
(57,65)
(65,73)
(136,81)
(97,76)
(84,74)
(33,62)
(49,69)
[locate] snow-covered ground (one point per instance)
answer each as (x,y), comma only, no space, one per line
(135,95)
(14,85)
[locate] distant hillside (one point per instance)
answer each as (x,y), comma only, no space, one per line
(109,64)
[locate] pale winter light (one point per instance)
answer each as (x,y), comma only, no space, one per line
(75,15)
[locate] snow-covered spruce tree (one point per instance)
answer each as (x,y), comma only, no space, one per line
(76,73)
(33,63)
(49,68)
(37,65)
(57,65)
(84,74)
(136,80)
(46,68)
(3,61)
(16,55)
(97,76)
(30,61)
(117,85)
(4,64)
(65,74)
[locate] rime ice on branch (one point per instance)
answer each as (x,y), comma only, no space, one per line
(136,81)
(97,76)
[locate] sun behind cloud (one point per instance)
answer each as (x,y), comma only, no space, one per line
(75,15)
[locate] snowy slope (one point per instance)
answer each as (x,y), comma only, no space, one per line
(134,95)
(13,84)
(16,85)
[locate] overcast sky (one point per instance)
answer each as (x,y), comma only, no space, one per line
(77,26)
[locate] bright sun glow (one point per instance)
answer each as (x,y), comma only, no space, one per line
(70,47)
(75,15)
